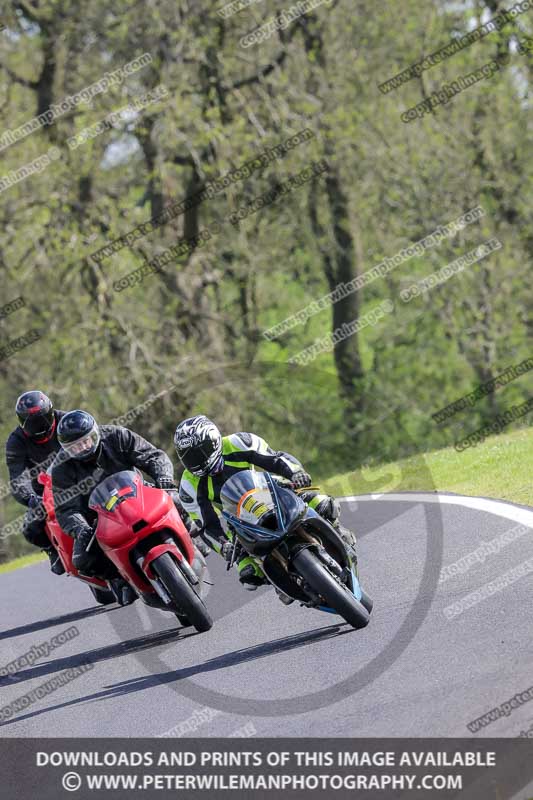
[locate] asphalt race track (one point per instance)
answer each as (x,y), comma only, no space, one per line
(268,670)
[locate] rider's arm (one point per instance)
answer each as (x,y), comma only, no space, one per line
(20,481)
(189,500)
(69,504)
(211,524)
(138,452)
(202,511)
(255,450)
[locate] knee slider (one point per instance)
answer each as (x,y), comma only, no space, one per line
(328,507)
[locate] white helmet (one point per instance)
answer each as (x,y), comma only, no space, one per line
(198,443)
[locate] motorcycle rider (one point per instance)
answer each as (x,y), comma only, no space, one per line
(30,449)
(94,453)
(209,459)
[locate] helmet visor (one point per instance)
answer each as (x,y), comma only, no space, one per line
(38,424)
(197,459)
(84,447)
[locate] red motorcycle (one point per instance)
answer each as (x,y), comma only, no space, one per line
(140,530)
(64,545)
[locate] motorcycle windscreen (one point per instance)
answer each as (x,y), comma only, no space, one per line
(114,490)
(291,506)
(254,497)
(246,496)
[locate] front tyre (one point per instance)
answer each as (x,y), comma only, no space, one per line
(191,607)
(309,566)
(367,601)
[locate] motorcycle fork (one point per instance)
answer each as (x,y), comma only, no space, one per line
(303,535)
(308,538)
(160,590)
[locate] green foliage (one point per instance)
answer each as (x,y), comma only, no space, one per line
(196,328)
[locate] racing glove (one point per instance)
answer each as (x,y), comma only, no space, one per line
(170,488)
(36,507)
(34,501)
(166,483)
(301,479)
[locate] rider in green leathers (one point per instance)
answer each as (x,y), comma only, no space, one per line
(209,459)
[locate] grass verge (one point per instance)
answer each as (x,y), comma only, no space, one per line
(23,561)
(500,467)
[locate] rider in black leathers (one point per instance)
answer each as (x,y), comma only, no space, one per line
(94,454)
(30,449)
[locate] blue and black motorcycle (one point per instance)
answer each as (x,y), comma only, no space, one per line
(300,553)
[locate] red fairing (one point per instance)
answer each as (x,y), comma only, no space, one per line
(154,506)
(117,538)
(62,541)
(155,552)
(126,517)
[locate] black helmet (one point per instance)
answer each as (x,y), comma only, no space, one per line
(78,434)
(198,443)
(35,413)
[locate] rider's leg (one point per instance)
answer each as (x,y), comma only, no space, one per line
(33,530)
(104,568)
(95,563)
(329,508)
(196,532)
(250,574)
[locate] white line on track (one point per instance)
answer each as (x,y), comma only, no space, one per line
(497,507)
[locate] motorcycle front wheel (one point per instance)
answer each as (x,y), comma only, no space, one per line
(338,597)
(191,606)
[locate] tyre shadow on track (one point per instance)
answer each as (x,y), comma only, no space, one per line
(42,624)
(140,684)
(94,656)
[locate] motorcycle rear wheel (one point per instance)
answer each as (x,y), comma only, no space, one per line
(190,605)
(307,563)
